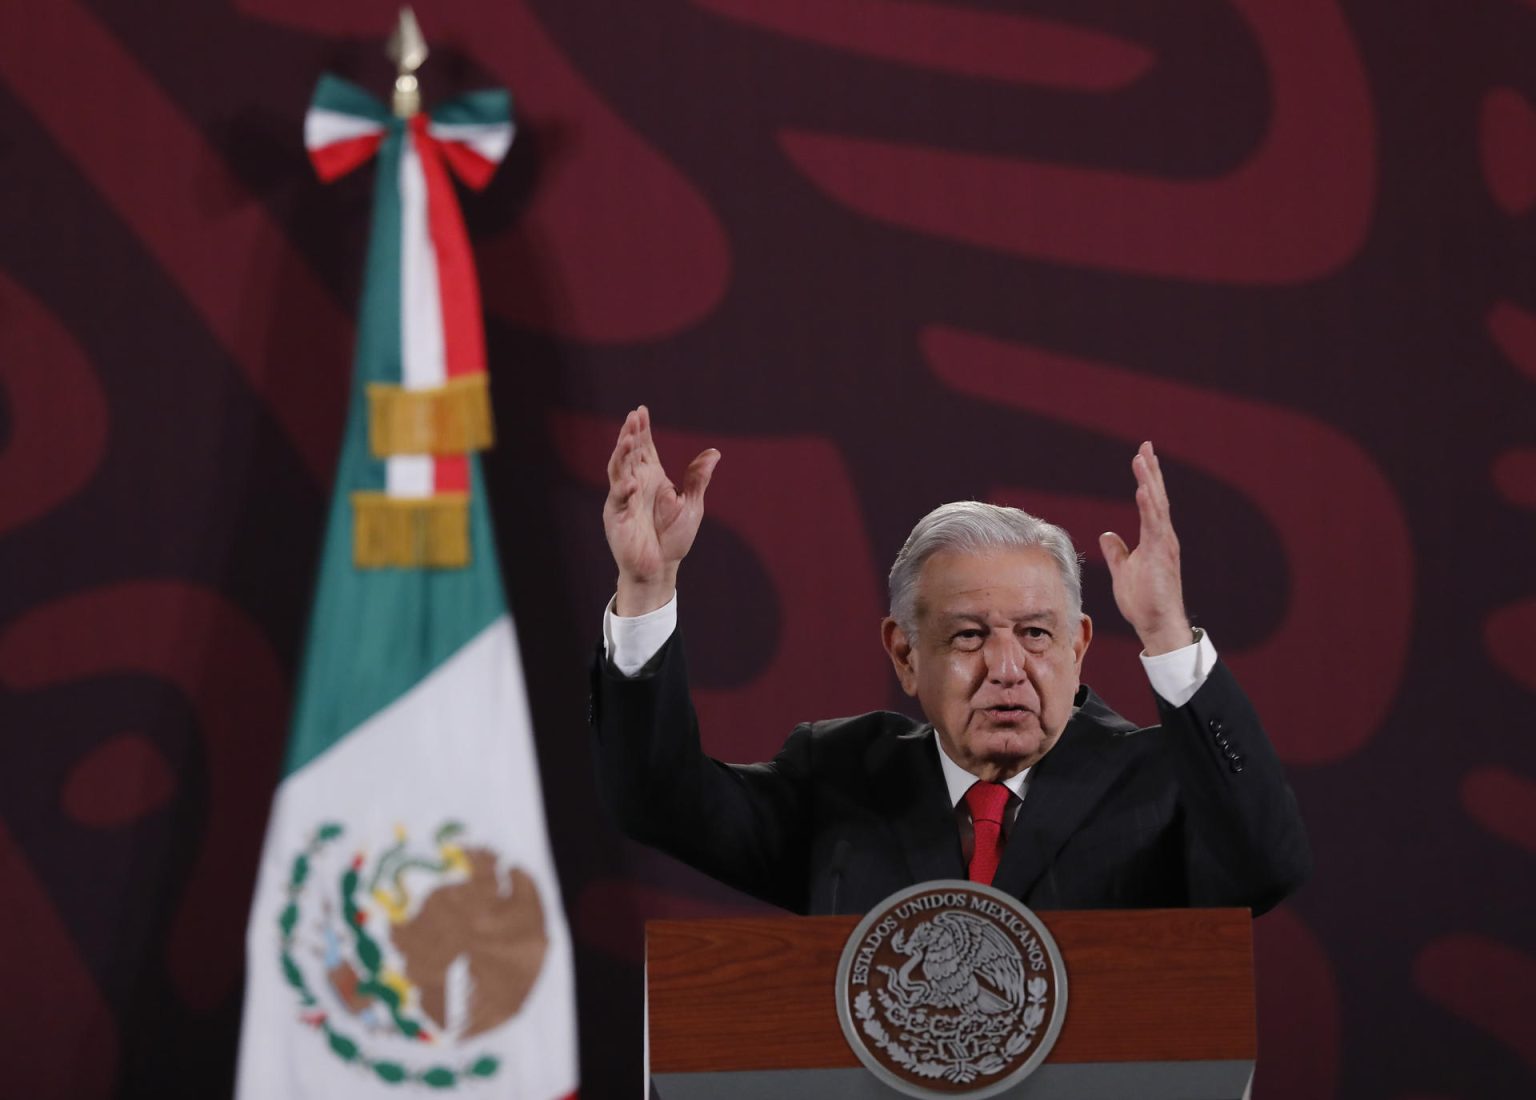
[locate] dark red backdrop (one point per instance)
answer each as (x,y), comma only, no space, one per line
(882,254)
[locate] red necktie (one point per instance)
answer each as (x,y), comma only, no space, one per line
(986,801)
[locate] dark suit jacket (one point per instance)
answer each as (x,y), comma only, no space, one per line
(853,809)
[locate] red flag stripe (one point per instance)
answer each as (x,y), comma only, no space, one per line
(450,473)
(463,337)
(458,289)
(340,157)
(476,171)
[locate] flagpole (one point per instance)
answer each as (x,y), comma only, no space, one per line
(407,48)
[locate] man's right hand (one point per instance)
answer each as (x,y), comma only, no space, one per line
(649,522)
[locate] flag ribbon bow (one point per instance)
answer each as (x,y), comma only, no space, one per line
(420,366)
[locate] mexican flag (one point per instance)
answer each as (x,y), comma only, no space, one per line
(407,934)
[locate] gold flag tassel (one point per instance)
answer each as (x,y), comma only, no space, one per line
(449,420)
(410,532)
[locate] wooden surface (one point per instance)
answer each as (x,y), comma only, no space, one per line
(1143,985)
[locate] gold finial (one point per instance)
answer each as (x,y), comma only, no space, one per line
(407,49)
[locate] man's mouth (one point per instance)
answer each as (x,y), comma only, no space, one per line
(1006,712)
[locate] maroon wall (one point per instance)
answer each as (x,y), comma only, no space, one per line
(882,254)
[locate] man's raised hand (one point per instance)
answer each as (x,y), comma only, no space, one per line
(1147,583)
(650,523)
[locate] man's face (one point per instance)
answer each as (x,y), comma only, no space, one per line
(996,660)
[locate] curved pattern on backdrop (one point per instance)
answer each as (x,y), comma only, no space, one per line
(882,253)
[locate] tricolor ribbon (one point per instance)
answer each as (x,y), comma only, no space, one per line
(420,361)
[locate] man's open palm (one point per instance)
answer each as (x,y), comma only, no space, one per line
(650,522)
(1148,586)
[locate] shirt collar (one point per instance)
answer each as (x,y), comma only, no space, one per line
(958,780)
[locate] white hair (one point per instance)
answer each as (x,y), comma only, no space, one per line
(973,527)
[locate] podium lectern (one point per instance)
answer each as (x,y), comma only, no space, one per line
(1160,1007)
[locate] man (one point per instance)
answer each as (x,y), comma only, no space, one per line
(1021,777)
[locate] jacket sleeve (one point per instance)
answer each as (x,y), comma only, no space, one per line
(1244,841)
(742,824)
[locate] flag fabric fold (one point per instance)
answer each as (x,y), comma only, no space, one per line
(407,933)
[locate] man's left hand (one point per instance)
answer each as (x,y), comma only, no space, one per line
(1148,588)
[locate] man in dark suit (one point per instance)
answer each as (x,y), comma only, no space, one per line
(1020,777)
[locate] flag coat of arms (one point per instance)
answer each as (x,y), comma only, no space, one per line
(407,934)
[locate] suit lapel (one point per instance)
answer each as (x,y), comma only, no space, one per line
(1063,789)
(919,810)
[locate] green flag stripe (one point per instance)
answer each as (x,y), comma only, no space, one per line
(379,357)
(335,94)
(375,633)
(482,108)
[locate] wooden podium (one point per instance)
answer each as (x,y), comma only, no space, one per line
(1160,1005)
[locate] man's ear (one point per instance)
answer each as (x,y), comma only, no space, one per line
(1081,642)
(899,646)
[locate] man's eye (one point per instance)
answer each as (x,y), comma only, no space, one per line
(967,639)
(1036,632)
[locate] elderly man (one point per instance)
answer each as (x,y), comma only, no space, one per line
(1021,776)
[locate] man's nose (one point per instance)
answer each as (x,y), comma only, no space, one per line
(1005,659)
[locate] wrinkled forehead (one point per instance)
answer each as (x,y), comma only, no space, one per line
(1010,583)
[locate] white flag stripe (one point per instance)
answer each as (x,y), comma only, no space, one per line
(421,305)
(410,476)
(421,319)
(465,731)
(490,141)
(323,127)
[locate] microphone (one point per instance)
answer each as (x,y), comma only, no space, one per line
(839,858)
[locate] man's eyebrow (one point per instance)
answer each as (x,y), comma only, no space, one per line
(949,618)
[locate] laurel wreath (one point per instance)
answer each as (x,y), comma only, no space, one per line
(344,1046)
(924,1059)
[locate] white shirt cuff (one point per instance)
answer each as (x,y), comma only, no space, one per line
(632,642)
(1178,675)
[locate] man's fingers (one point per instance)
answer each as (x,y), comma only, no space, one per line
(633,451)
(700,470)
(1155,479)
(1146,510)
(1113,547)
(621,490)
(622,446)
(1151,501)
(643,439)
